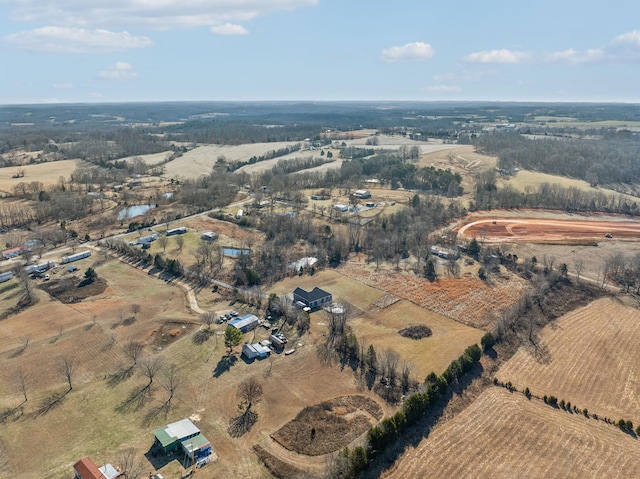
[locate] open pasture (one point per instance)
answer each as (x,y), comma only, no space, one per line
(342,287)
(588,357)
(46,173)
(448,340)
(504,435)
(466,299)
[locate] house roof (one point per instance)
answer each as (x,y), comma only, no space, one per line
(175,431)
(310,296)
(109,471)
(87,469)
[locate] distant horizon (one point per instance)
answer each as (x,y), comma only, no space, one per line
(523,102)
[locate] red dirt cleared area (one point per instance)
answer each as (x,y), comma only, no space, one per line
(537,230)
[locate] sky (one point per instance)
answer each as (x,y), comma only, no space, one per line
(93,51)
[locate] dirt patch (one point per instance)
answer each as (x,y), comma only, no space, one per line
(277,467)
(416,332)
(328,426)
(535,230)
(69,290)
(171,331)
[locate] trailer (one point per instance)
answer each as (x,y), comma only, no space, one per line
(177,231)
(39,268)
(6,276)
(75,257)
(239,214)
(147,239)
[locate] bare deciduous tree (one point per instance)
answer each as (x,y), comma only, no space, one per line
(208,318)
(150,367)
(578,265)
(21,380)
(130,464)
(135,309)
(171,382)
(163,241)
(133,350)
(180,243)
(67,367)
(250,392)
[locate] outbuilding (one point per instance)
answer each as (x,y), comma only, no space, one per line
(245,323)
(209,236)
(252,351)
(362,194)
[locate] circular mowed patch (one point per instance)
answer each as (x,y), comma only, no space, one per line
(416,332)
(329,426)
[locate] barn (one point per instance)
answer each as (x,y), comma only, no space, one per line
(245,323)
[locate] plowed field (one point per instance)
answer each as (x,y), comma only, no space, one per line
(589,357)
(504,435)
(466,299)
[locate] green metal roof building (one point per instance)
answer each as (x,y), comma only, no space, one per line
(182,435)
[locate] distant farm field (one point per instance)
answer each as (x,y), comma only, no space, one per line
(200,160)
(447,342)
(46,173)
(504,435)
(589,357)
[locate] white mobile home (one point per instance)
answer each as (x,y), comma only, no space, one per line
(177,231)
(75,257)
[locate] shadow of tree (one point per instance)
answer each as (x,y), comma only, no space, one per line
(136,399)
(242,424)
(51,402)
(121,375)
(225,363)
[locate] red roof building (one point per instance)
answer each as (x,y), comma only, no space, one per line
(85,468)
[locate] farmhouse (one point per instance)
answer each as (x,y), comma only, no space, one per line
(40,267)
(245,323)
(362,194)
(183,435)
(312,299)
(209,236)
(148,239)
(256,350)
(302,263)
(85,468)
(14,252)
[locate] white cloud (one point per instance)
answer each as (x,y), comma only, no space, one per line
(229,29)
(120,71)
(444,89)
(75,40)
(497,56)
(415,51)
(572,56)
(63,86)
(157,14)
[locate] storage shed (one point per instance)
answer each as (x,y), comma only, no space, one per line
(209,236)
(252,351)
(245,323)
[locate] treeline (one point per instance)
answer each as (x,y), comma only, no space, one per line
(215,190)
(396,172)
(350,463)
(610,159)
(270,155)
(172,267)
(105,146)
(549,196)
(237,132)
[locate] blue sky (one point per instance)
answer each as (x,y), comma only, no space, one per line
(166,50)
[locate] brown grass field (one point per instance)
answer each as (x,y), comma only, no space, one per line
(504,435)
(588,357)
(449,338)
(46,173)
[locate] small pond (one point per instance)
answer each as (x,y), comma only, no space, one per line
(135,210)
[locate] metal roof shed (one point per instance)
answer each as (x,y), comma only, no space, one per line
(170,436)
(245,323)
